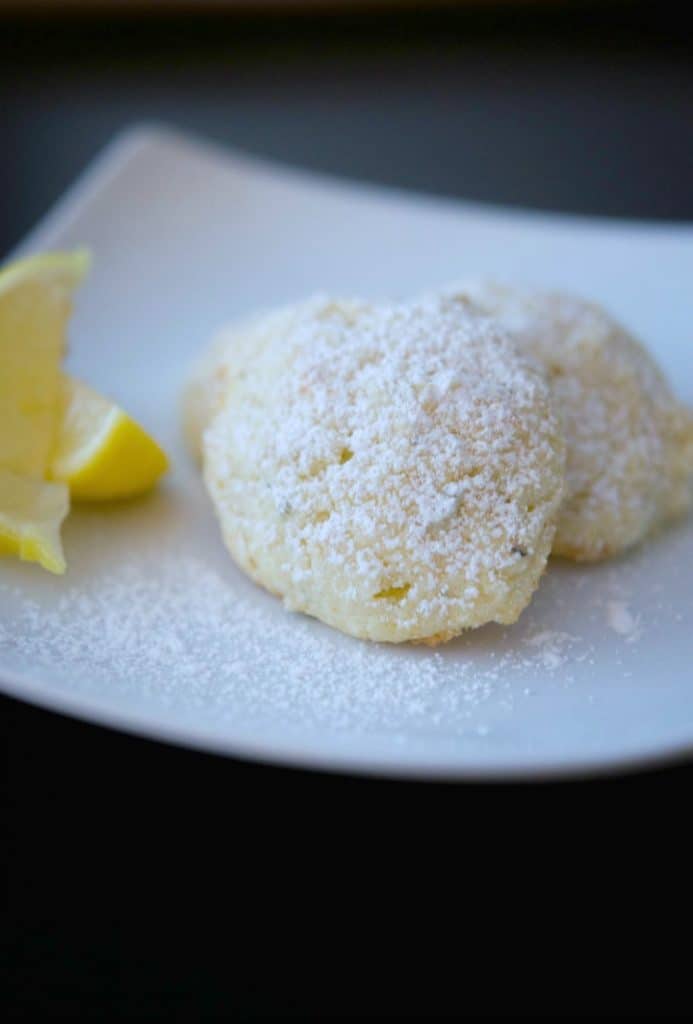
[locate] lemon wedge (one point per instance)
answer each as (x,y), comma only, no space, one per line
(31,514)
(58,438)
(35,304)
(102,453)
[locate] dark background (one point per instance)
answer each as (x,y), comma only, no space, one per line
(144,880)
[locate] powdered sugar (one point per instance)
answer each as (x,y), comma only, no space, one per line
(622,620)
(175,631)
(552,647)
(178,632)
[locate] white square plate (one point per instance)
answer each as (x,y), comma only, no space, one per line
(154,630)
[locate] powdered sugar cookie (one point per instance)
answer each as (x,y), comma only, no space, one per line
(394,471)
(629,442)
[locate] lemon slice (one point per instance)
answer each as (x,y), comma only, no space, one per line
(101,453)
(31,513)
(35,304)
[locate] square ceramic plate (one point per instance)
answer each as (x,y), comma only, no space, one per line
(154,630)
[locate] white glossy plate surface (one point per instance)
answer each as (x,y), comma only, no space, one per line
(153,630)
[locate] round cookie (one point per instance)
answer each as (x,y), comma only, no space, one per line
(629,442)
(394,471)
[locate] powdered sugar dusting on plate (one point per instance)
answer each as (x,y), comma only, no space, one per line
(179,632)
(622,620)
(552,647)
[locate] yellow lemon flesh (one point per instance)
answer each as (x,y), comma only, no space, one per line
(31,514)
(35,305)
(101,453)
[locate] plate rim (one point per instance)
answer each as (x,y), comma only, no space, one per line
(97,712)
(111,158)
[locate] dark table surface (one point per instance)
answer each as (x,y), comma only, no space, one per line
(147,880)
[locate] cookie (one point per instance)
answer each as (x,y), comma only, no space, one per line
(394,471)
(629,441)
